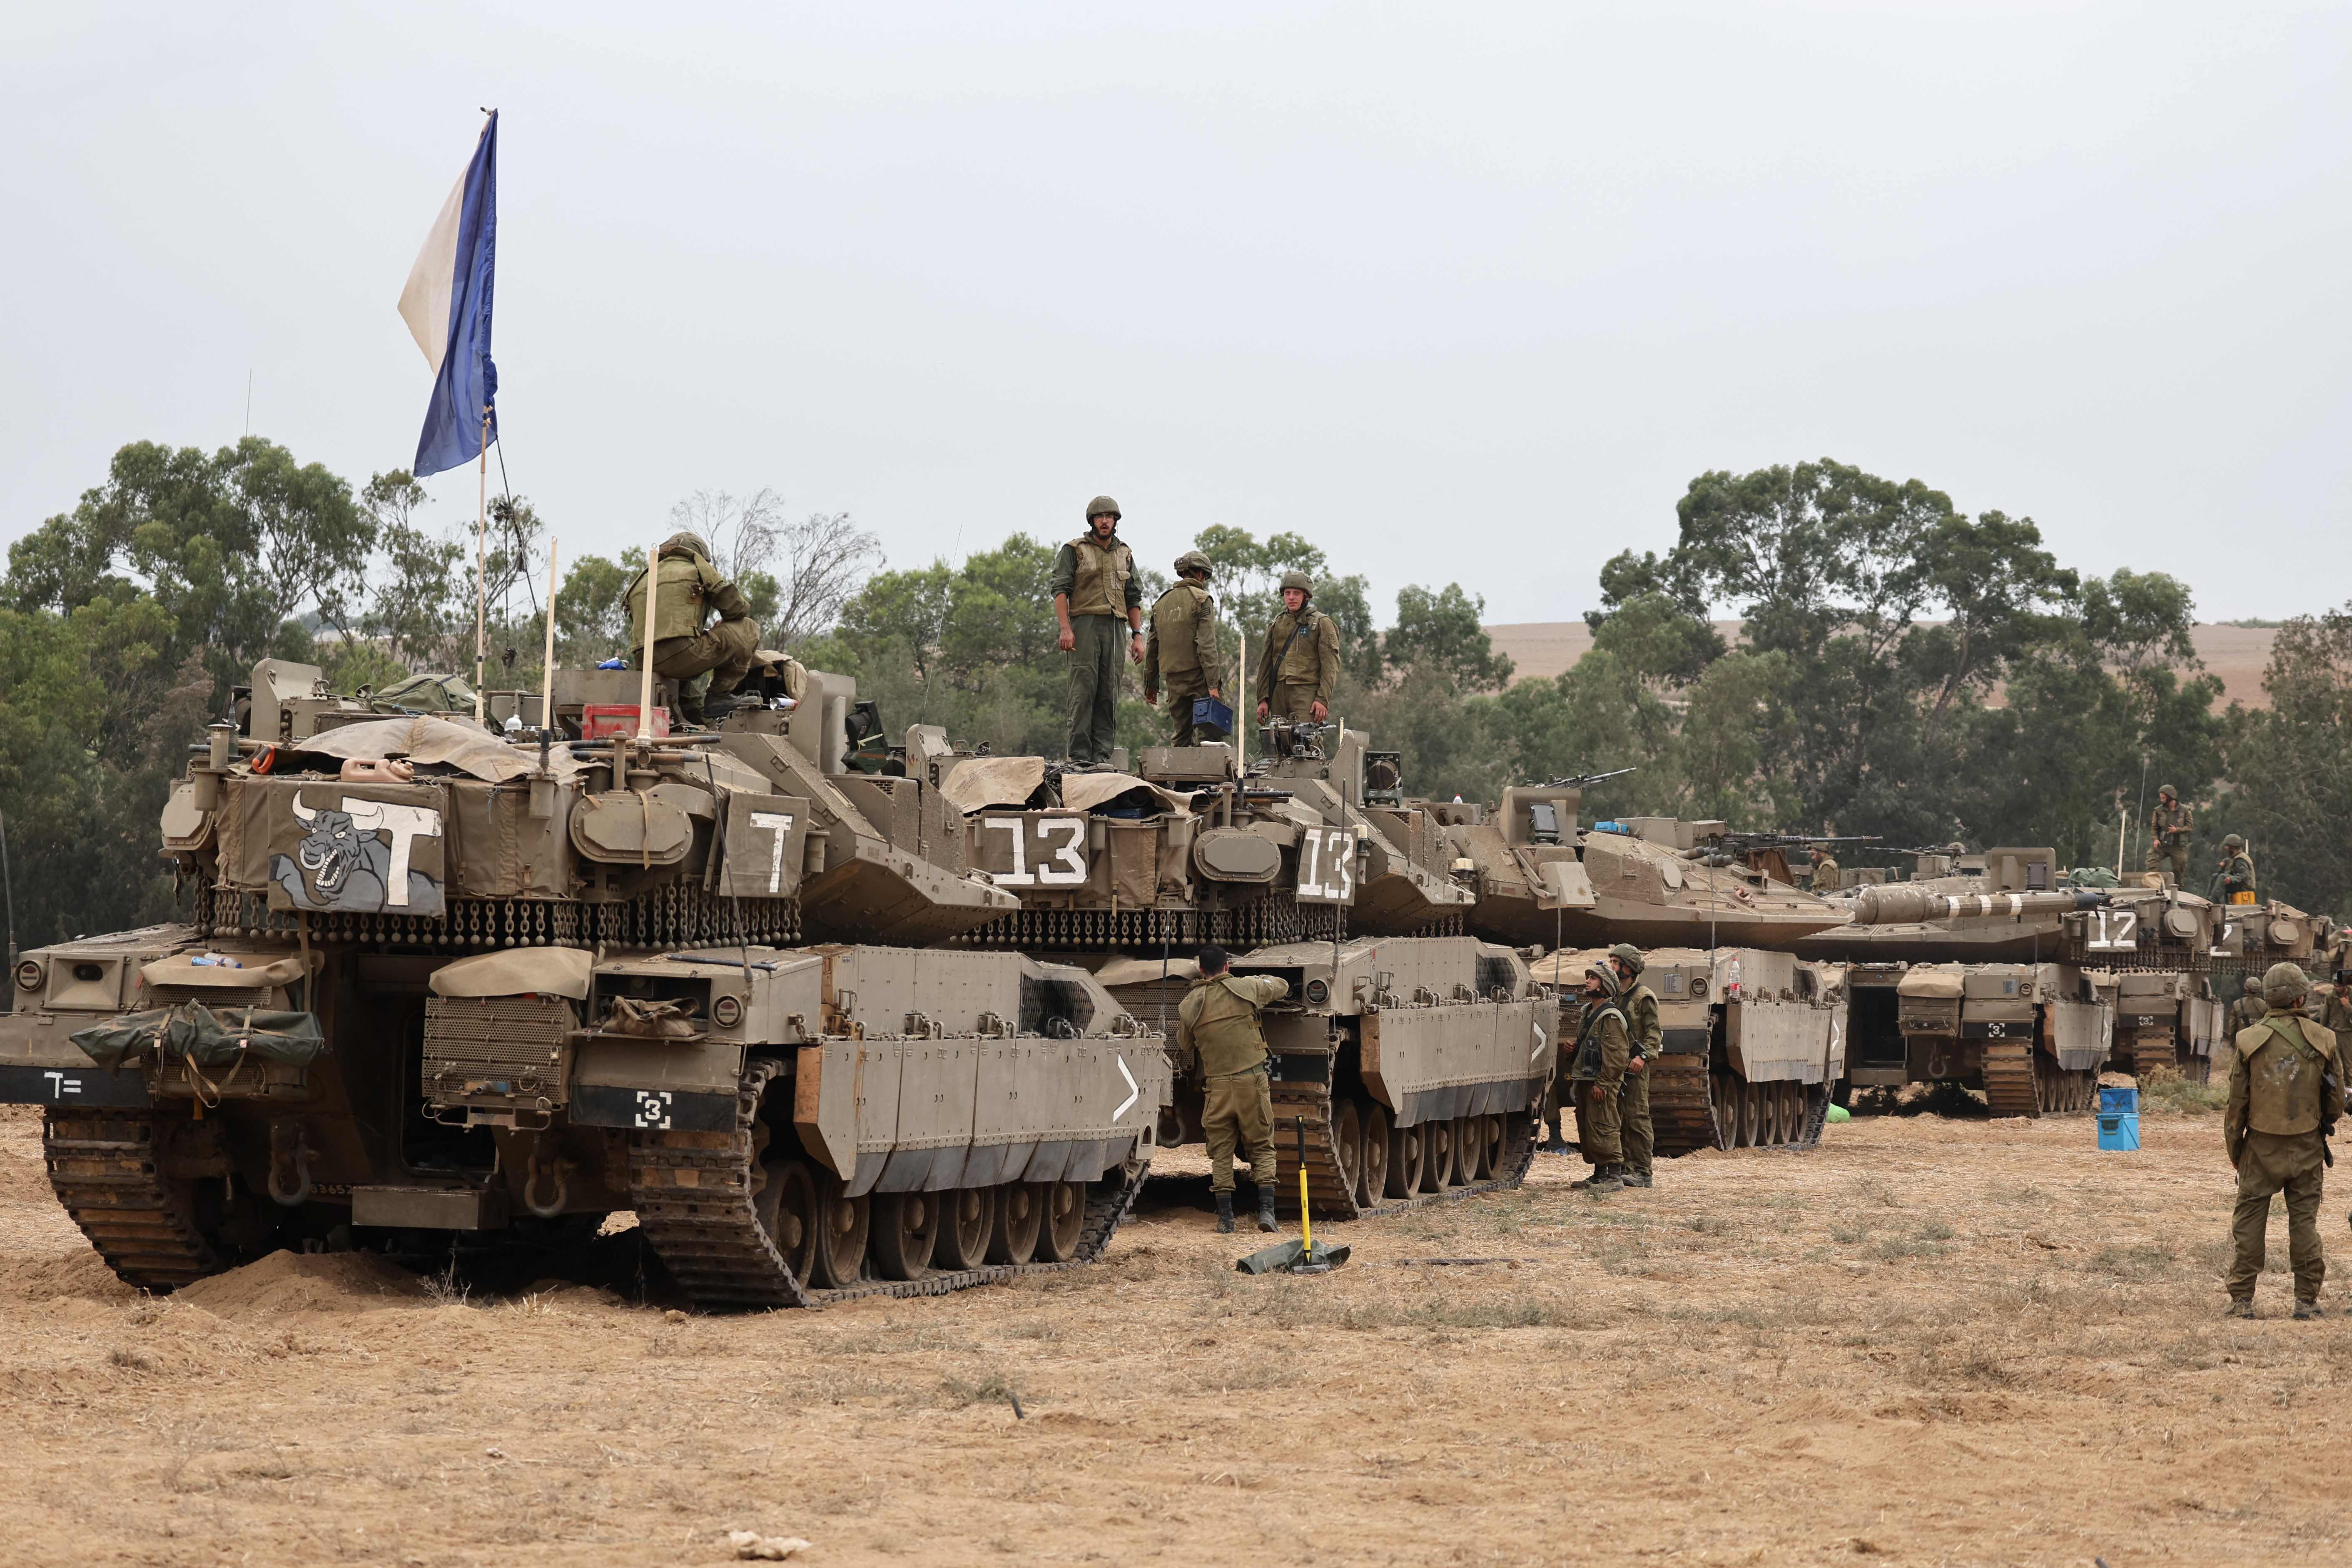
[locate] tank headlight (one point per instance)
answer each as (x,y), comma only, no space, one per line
(30,974)
(726,1012)
(1317,992)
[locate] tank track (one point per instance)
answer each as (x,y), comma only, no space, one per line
(1259,922)
(692,1193)
(107,1169)
(2152,1053)
(2019,1080)
(1327,1188)
(1687,1110)
(671,915)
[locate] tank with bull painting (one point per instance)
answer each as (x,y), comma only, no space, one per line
(440,982)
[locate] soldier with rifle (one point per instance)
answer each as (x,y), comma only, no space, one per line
(2233,883)
(1648,1039)
(2286,1094)
(2167,834)
(1218,1020)
(1597,1078)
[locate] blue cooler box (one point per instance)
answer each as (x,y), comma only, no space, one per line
(2119,1129)
(2122,1101)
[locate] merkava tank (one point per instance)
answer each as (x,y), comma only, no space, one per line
(439,983)
(1999,972)
(1754,1043)
(1411,1061)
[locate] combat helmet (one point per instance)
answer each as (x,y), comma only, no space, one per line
(1600,972)
(1100,505)
(2163,790)
(2285,986)
(1193,561)
(1300,581)
(1630,955)
(2232,841)
(683,539)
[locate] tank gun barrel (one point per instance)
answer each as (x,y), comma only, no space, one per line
(1583,781)
(1895,904)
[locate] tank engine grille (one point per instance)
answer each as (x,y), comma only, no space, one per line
(497,1051)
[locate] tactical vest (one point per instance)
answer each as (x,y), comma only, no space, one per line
(1225,1032)
(1176,618)
(1293,656)
(1099,585)
(2286,1069)
(1584,1065)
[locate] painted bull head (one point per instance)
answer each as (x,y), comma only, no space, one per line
(338,840)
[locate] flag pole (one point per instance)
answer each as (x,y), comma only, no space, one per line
(482,568)
(547,664)
(645,686)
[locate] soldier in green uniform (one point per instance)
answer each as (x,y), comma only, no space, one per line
(2248,1009)
(1648,1039)
(1825,871)
(712,662)
(2337,1015)
(2286,1094)
(1218,1020)
(1597,1077)
(1183,649)
(2234,882)
(1300,662)
(1094,588)
(2168,835)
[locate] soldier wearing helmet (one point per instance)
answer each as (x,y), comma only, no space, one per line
(2168,835)
(2234,882)
(705,663)
(2287,1094)
(1183,648)
(1300,662)
(1596,1076)
(1095,587)
(1648,1039)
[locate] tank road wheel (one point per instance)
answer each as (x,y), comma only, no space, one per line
(1722,1110)
(967,1217)
(1064,1216)
(786,1208)
(842,1223)
(1346,1145)
(1792,1112)
(1751,1114)
(1490,1147)
(1408,1149)
(906,1228)
(1372,1180)
(1437,1165)
(1012,1234)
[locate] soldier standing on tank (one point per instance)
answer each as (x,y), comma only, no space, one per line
(690,587)
(1094,588)
(2236,875)
(1825,871)
(2286,1094)
(1597,1078)
(1648,1040)
(2168,835)
(1183,648)
(1218,1020)
(1301,660)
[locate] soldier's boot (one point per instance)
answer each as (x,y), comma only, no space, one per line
(1224,1214)
(1633,1178)
(1586,1180)
(2239,1307)
(1608,1179)
(2308,1309)
(1266,1206)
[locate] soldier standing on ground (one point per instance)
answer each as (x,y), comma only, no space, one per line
(690,587)
(2168,835)
(1597,1077)
(1094,589)
(2248,1009)
(1648,1039)
(1183,648)
(2286,1094)
(2237,873)
(2337,1016)
(1218,1020)
(1301,661)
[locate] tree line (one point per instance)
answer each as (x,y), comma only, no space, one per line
(1904,669)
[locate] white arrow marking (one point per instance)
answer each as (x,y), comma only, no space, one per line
(1134,1089)
(1540,1044)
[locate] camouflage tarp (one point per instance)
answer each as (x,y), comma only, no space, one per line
(194,1032)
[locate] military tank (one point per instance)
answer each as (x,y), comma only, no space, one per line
(438,981)
(1412,1062)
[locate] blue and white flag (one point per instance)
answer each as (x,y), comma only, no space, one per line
(447,305)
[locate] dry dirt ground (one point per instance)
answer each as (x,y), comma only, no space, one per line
(1929,1342)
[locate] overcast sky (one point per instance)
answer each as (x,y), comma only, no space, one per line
(1464,292)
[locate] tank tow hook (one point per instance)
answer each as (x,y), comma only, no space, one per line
(540,1170)
(289,1164)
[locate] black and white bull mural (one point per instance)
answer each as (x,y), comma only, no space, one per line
(356,859)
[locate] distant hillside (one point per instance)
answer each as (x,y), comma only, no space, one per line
(1541,649)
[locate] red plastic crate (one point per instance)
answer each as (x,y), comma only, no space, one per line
(603,720)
